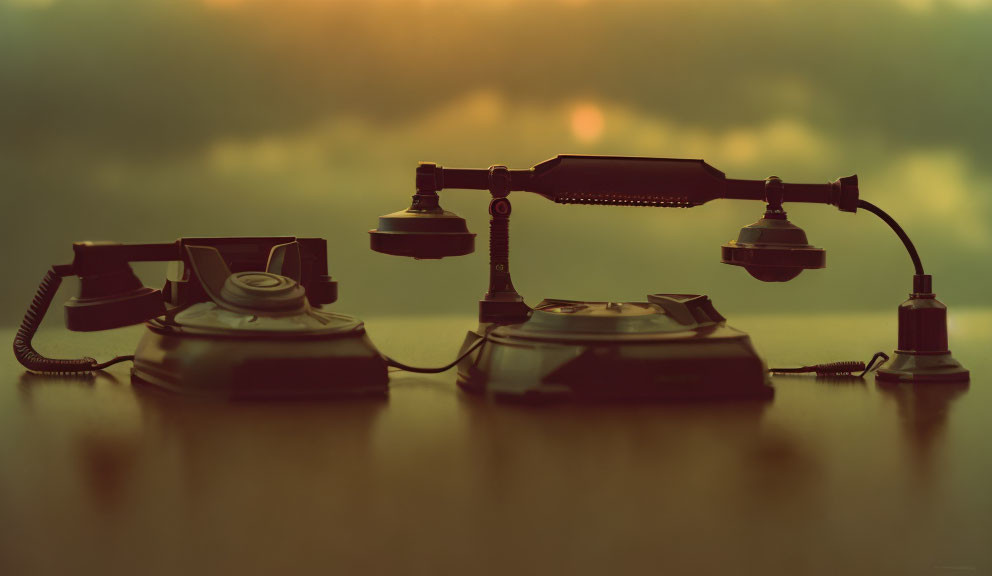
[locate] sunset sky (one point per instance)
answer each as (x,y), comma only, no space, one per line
(147,120)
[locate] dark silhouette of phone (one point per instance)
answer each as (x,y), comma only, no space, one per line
(111,295)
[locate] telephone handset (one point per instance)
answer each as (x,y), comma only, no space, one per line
(111,296)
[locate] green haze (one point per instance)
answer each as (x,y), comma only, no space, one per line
(149,120)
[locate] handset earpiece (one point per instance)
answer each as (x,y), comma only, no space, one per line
(110,295)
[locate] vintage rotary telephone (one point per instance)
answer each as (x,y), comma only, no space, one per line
(237,316)
(772,250)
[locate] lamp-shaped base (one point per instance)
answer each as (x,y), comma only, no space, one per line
(923,355)
(913,368)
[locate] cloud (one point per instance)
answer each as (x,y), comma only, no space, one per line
(528,133)
(30,3)
(926,6)
(195,75)
(939,191)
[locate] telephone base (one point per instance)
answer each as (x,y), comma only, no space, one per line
(673,347)
(334,363)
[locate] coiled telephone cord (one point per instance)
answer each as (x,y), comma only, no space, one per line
(33,360)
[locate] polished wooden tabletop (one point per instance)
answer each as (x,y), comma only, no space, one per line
(102,476)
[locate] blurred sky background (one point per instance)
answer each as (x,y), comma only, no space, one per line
(147,120)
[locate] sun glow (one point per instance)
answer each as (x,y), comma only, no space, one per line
(587,123)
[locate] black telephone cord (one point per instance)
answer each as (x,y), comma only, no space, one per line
(29,357)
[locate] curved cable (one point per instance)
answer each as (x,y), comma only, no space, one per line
(31,358)
(396,364)
(899,232)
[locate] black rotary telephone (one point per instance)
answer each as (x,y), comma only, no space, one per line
(111,296)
